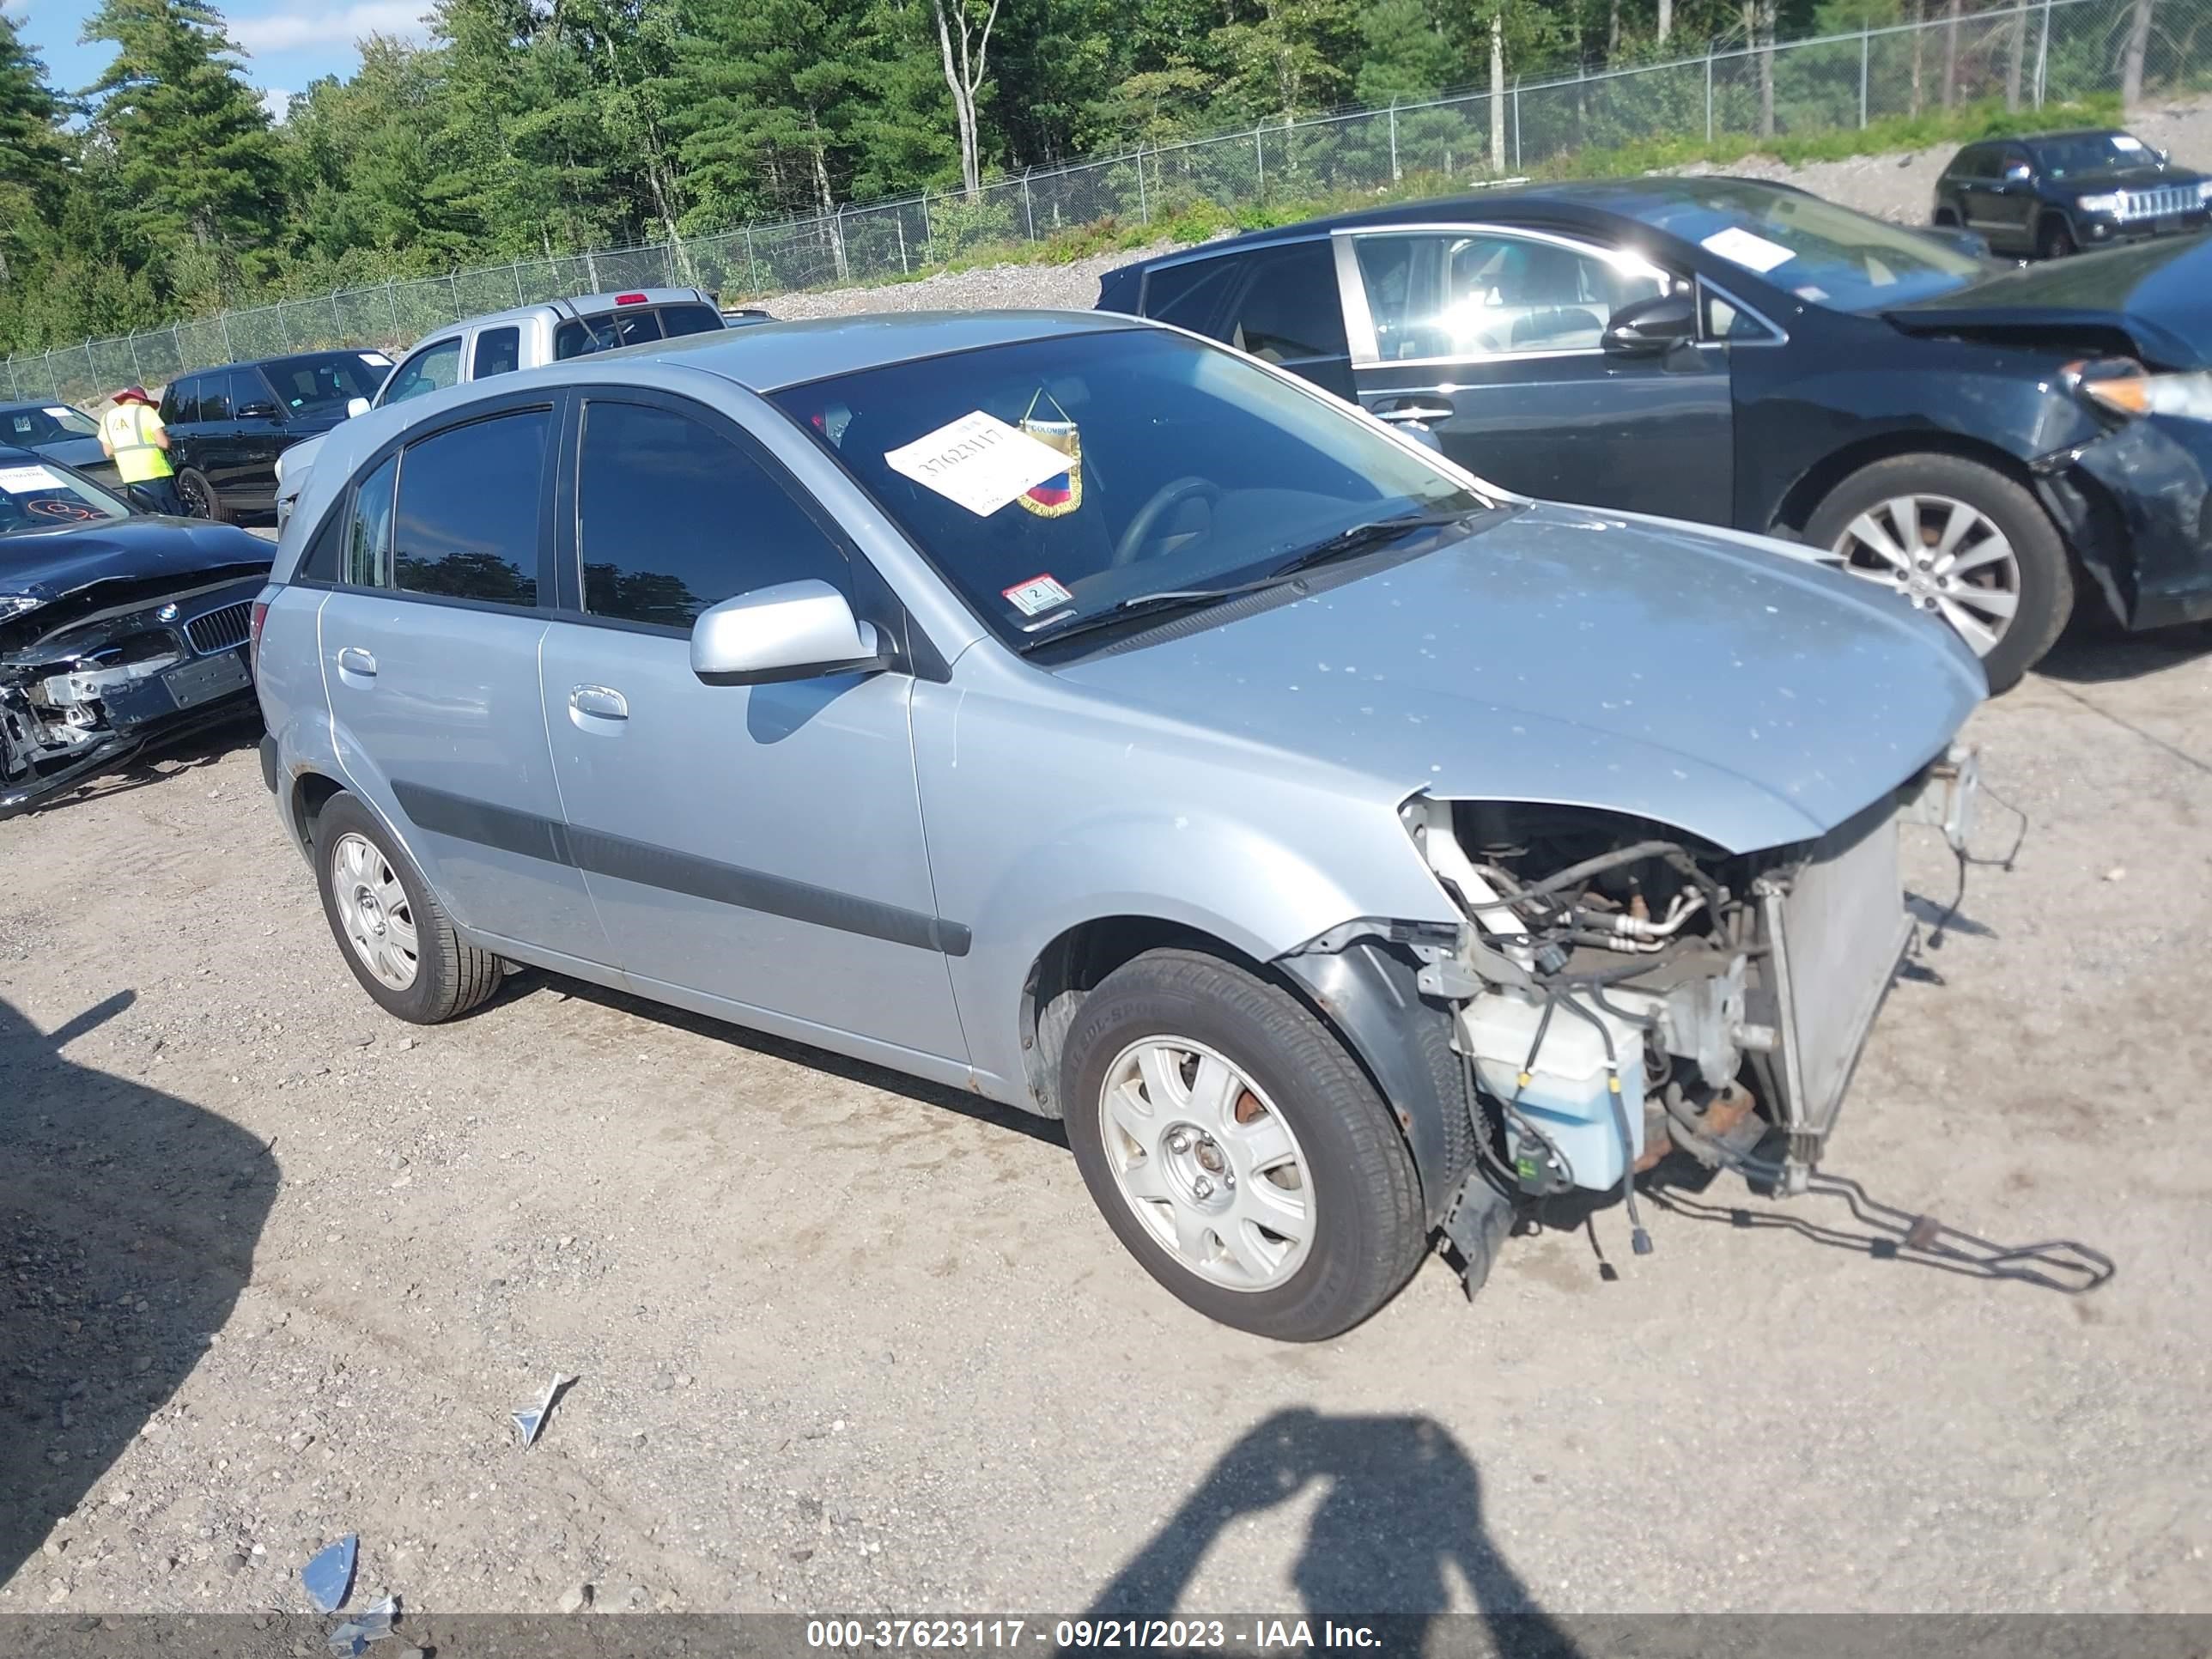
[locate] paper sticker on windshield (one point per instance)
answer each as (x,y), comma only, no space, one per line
(59,413)
(23,480)
(1809,292)
(1037,594)
(1739,246)
(2121,141)
(978,461)
(375,359)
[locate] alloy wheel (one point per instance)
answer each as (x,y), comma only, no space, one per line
(379,924)
(194,497)
(1206,1164)
(1942,554)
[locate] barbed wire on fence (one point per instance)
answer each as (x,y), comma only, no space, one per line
(2027,54)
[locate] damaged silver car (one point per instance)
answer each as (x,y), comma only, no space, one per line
(1072,711)
(117,628)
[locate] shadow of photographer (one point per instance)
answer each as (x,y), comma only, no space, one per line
(128,1221)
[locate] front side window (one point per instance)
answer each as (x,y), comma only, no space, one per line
(431,369)
(1289,312)
(673,516)
(327,382)
(1177,465)
(368,534)
(467,523)
(249,397)
(214,398)
(1485,293)
(499,351)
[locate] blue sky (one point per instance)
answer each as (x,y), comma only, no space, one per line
(287,43)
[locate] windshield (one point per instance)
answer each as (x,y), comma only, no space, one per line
(1823,253)
(49,423)
(2092,152)
(1056,479)
(323,384)
(38,496)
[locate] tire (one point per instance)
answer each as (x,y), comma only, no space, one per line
(448,976)
(2054,240)
(1944,219)
(201,498)
(1353,1226)
(2039,578)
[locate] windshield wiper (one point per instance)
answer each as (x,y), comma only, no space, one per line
(1343,544)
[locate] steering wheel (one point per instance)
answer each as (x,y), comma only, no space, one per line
(1163,500)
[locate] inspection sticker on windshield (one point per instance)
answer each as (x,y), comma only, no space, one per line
(59,413)
(374,359)
(1739,246)
(2121,141)
(1037,594)
(978,461)
(23,480)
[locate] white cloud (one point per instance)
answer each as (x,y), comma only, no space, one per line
(308,23)
(276,102)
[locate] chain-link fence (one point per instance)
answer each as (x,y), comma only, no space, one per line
(2023,56)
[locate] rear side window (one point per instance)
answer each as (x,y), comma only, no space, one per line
(1193,295)
(431,369)
(673,516)
(369,536)
(214,398)
(1290,312)
(467,519)
(499,351)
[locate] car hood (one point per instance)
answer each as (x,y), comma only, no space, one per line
(1716,683)
(47,565)
(2158,294)
(83,453)
(294,460)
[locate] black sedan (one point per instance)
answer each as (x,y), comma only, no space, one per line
(1987,442)
(60,432)
(117,628)
(2061,192)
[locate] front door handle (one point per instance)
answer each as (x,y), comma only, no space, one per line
(1398,412)
(599,700)
(354,660)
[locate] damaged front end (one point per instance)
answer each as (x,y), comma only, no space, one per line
(90,676)
(1618,988)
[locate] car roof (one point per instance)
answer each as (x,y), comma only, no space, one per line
(274,357)
(572,305)
(1582,200)
(771,356)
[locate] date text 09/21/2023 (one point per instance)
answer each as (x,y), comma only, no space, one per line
(864,1635)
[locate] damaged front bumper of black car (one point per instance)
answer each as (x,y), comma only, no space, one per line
(97,688)
(2135,503)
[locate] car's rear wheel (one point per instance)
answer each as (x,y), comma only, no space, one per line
(394,934)
(1237,1149)
(199,496)
(1961,541)
(2055,241)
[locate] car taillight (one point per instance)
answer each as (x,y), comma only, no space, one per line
(629,299)
(254,636)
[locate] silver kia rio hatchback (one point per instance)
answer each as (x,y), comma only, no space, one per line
(1069,709)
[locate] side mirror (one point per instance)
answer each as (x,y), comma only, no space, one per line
(357,406)
(259,409)
(1644,328)
(793,631)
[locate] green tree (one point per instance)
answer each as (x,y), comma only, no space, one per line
(196,177)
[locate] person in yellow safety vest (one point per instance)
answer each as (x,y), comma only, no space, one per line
(132,436)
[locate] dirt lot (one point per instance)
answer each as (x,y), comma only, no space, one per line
(274,1268)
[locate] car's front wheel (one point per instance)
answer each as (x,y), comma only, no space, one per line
(1237,1150)
(1961,541)
(394,934)
(2055,239)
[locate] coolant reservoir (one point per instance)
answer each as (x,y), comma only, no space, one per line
(1565,1095)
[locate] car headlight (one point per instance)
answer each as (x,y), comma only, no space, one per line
(2126,388)
(2108,203)
(2204,191)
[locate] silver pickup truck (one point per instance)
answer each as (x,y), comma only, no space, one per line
(528,337)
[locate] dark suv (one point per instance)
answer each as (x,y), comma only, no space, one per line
(2059,192)
(227,425)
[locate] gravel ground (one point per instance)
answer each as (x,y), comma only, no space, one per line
(273,1268)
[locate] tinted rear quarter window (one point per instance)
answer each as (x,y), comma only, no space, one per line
(1289,311)
(368,532)
(674,516)
(467,525)
(498,351)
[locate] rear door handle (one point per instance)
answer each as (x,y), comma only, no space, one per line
(599,700)
(354,660)
(1416,412)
